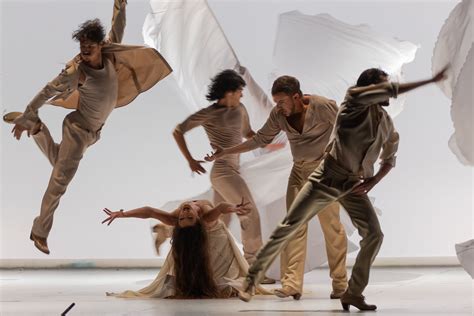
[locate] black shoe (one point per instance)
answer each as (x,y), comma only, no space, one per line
(358,301)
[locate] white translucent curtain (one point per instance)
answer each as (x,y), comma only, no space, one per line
(455,47)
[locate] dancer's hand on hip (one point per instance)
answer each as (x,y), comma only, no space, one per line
(217,153)
(365,186)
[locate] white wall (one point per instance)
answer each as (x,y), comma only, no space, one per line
(426,200)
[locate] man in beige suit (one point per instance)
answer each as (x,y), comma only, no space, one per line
(363,132)
(308,121)
(226,122)
(103,76)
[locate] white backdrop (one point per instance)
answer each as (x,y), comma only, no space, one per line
(426,201)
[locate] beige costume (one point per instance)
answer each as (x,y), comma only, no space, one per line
(225,127)
(363,128)
(227,264)
(94,93)
(307,149)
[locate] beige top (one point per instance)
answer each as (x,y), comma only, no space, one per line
(308,145)
(138,69)
(364,131)
(225,126)
(98,94)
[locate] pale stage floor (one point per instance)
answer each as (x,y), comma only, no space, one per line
(404,291)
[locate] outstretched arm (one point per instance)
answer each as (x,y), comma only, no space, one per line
(262,138)
(225,208)
(405,87)
(142,212)
(118,22)
(377,93)
(61,86)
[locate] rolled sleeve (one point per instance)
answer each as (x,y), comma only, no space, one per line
(246,128)
(373,94)
(194,120)
(61,86)
(268,132)
(118,22)
(389,149)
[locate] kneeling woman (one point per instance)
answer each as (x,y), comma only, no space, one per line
(204,261)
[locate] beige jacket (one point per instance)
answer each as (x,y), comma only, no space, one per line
(138,69)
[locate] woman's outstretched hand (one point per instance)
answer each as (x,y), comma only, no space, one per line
(240,209)
(111,216)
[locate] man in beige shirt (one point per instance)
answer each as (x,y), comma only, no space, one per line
(308,121)
(226,122)
(363,133)
(103,76)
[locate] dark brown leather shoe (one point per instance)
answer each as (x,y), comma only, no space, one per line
(10,117)
(336,294)
(33,127)
(287,291)
(40,243)
(358,301)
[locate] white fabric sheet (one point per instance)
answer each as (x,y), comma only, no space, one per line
(455,47)
(335,53)
(188,35)
(465,253)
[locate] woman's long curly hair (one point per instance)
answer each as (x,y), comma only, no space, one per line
(192,269)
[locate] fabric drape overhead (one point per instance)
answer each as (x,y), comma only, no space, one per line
(455,47)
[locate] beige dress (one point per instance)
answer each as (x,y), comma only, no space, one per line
(228,267)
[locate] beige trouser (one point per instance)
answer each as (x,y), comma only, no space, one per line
(327,184)
(294,254)
(64,158)
(229,186)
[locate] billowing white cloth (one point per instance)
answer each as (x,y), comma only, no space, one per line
(188,35)
(335,53)
(455,47)
(465,253)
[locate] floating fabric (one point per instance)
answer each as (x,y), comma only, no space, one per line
(455,47)
(465,253)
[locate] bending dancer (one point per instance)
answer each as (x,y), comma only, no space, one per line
(103,76)
(226,122)
(204,261)
(307,121)
(363,132)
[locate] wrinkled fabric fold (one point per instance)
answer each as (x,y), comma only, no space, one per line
(455,47)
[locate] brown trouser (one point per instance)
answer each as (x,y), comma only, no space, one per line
(229,186)
(64,158)
(294,254)
(327,184)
